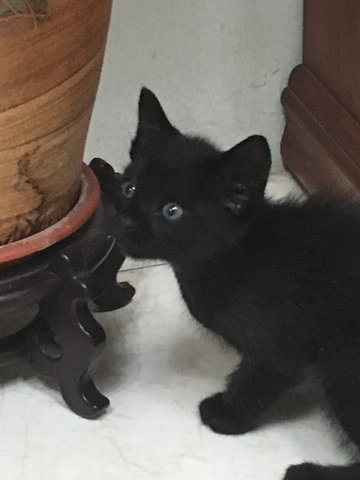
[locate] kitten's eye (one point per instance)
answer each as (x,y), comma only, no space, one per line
(128,189)
(172,211)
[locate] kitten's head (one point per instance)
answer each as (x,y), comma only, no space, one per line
(187,200)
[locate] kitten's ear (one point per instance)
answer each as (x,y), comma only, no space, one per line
(153,124)
(151,114)
(246,170)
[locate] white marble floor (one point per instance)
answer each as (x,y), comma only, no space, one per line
(157,366)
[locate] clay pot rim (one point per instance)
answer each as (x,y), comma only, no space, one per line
(76,218)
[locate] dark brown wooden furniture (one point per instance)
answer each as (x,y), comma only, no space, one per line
(321,142)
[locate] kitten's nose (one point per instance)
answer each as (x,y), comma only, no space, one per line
(128,224)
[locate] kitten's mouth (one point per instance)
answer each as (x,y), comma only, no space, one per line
(132,243)
(130,249)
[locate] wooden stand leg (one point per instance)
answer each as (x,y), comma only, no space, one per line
(69,351)
(115,295)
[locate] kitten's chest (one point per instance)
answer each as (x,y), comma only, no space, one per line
(207,299)
(195,301)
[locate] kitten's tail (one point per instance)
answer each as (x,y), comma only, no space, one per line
(310,471)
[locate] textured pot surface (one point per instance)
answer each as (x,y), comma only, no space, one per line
(49,73)
(81,212)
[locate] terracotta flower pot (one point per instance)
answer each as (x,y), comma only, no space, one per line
(50,66)
(81,212)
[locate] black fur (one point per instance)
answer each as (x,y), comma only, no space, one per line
(279,282)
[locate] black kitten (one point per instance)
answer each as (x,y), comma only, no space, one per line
(280,282)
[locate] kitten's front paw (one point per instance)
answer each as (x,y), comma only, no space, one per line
(306,471)
(222,417)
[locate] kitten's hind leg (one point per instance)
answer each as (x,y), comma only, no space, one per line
(251,390)
(339,365)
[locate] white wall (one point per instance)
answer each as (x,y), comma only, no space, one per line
(218,67)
